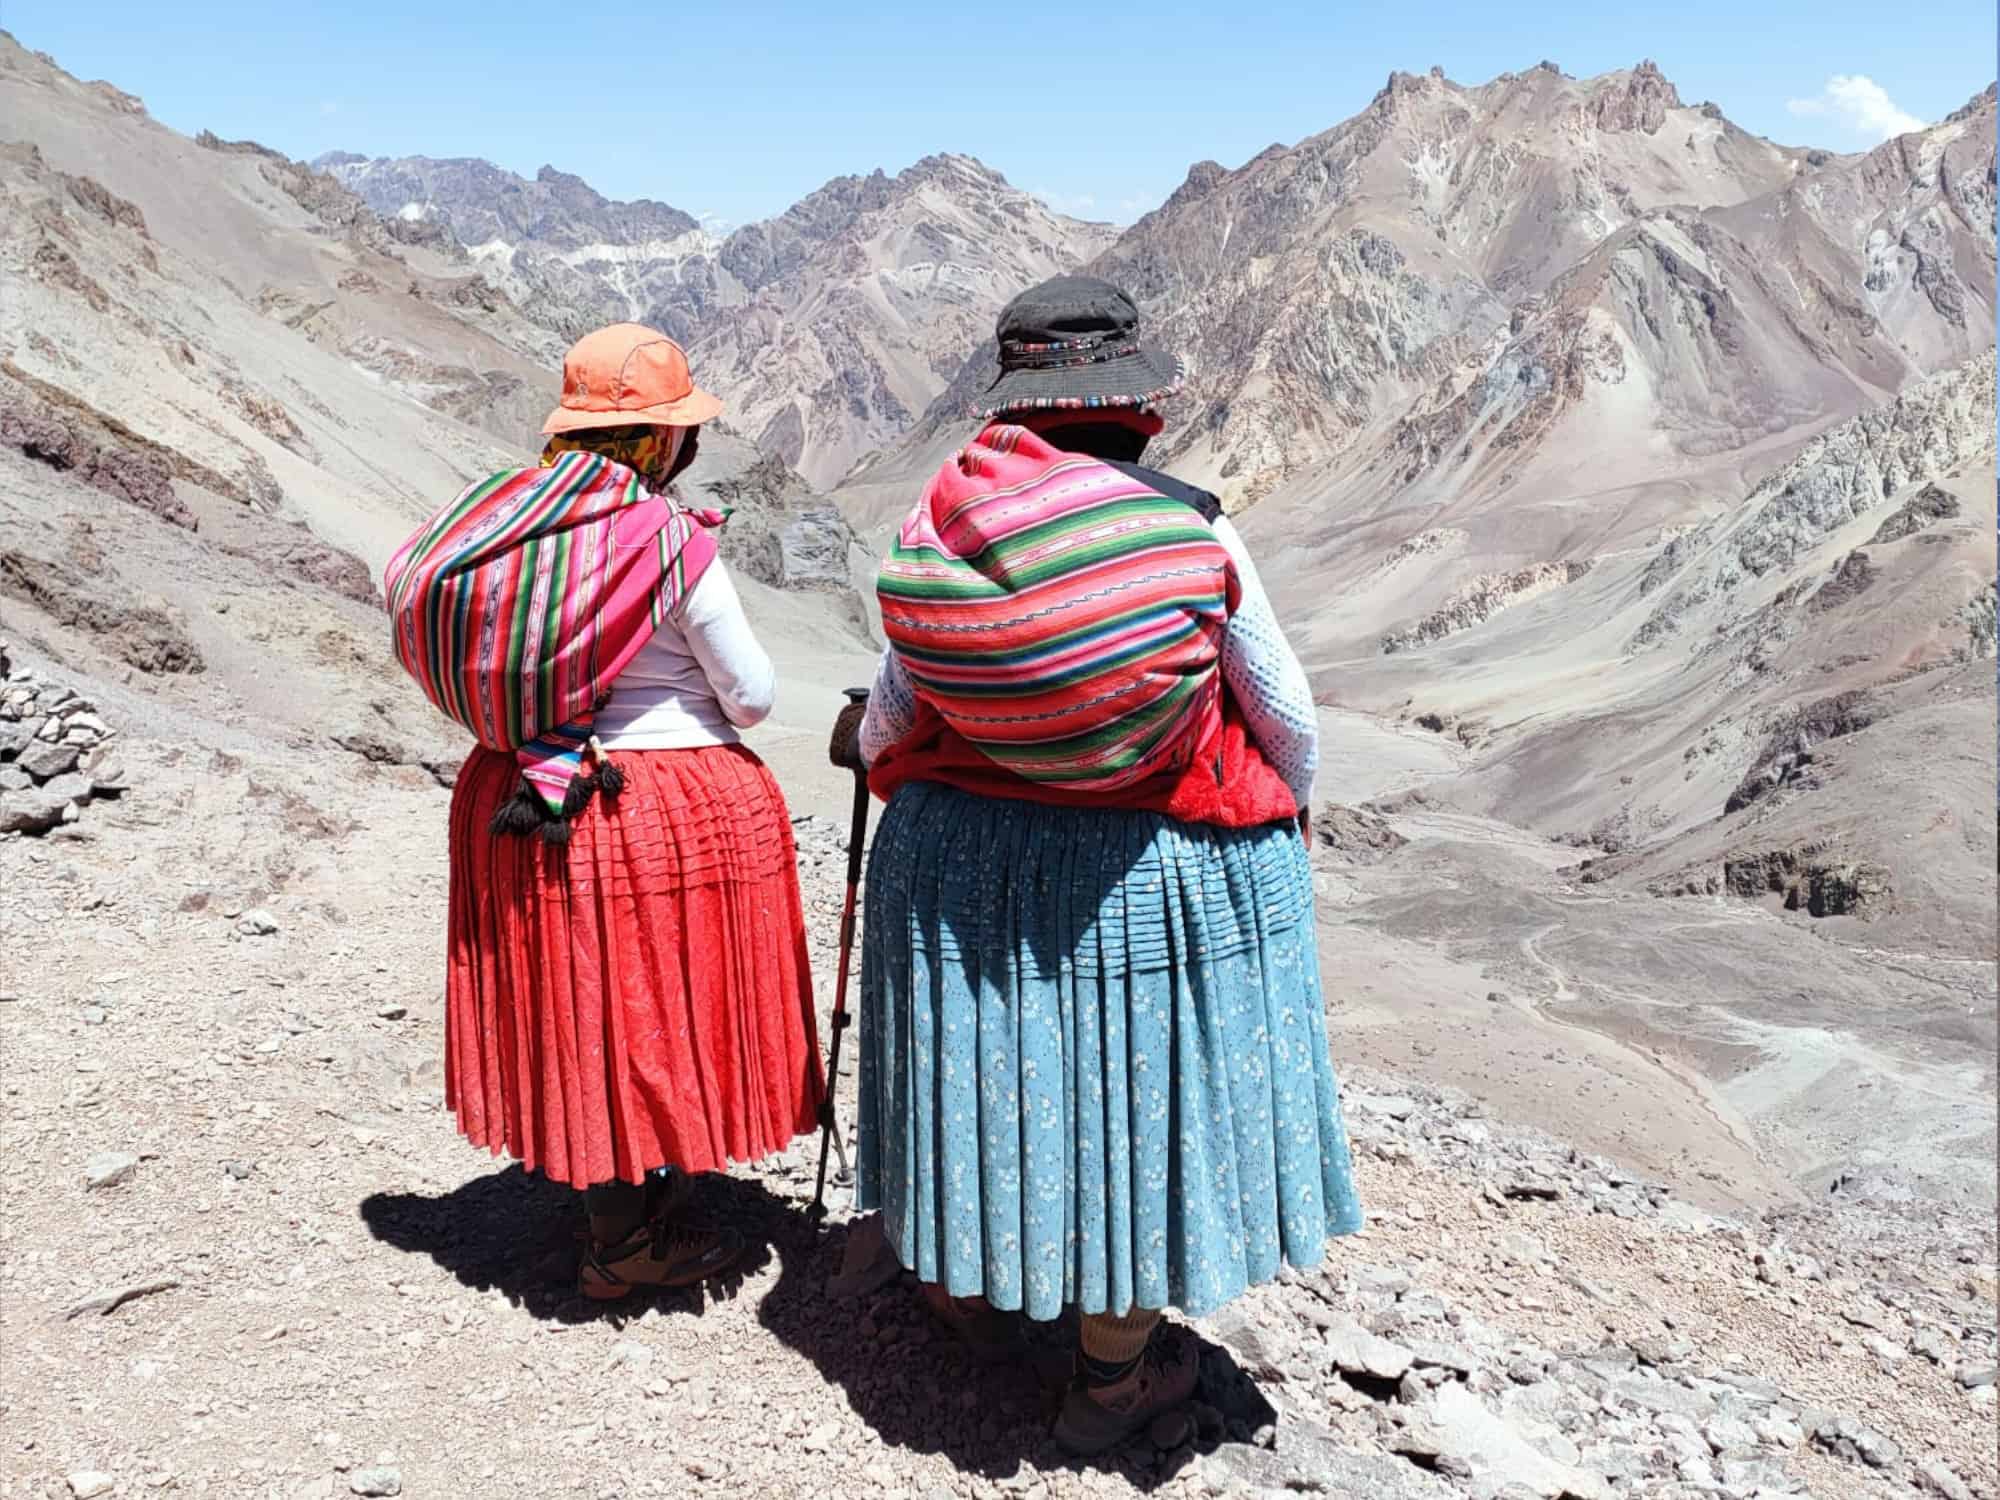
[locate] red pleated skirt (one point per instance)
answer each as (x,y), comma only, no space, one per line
(642,996)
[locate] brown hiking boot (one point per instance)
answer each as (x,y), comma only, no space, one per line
(1097,1417)
(666,1196)
(663,1254)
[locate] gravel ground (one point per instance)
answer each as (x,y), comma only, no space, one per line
(220,1005)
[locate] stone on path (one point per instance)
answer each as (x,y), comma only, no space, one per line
(1494,1451)
(1356,1351)
(379,1481)
(86,1484)
(1938,1477)
(109,1168)
(1307,1458)
(35,811)
(1846,1438)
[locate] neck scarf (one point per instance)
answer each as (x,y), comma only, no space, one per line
(648,452)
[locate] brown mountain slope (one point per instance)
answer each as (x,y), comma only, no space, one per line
(839,354)
(1321,286)
(242,314)
(1322,290)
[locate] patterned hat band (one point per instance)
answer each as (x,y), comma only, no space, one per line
(1061,356)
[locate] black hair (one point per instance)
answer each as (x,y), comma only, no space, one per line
(1107,440)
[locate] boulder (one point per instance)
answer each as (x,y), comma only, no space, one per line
(1497,1454)
(1309,1459)
(45,758)
(33,811)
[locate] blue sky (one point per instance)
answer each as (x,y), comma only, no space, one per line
(737,109)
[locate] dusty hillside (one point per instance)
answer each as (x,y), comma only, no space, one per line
(208,299)
(1751,691)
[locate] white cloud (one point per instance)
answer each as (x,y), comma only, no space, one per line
(1861,104)
(1077,205)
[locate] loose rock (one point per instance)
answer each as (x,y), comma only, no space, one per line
(1356,1351)
(1938,1477)
(1848,1439)
(109,1168)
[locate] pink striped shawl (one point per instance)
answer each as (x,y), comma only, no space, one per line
(1064,618)
(517,605)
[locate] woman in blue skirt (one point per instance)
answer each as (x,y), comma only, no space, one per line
(1093,1060)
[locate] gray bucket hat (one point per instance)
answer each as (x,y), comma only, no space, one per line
(1072,344)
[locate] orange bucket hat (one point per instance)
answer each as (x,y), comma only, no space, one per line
(627,375)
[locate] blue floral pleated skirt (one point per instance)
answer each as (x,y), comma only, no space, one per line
(1093,1058)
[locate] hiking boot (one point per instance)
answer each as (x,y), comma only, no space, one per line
(665,1195)
(1097,1417)
(663,1254)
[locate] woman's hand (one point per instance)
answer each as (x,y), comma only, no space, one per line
(844,748)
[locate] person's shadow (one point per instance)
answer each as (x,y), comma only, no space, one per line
(908,1379)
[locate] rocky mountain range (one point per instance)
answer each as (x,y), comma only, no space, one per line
(1613,443)
(1614,521)
(831,327)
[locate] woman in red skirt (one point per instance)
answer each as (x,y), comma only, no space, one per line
(629,999)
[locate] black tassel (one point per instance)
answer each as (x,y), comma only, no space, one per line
(577,798)
(523,813)
(556,831)
(610,780)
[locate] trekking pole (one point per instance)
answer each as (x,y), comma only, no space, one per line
(857,835)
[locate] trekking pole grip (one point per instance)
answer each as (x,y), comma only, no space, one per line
(857,697)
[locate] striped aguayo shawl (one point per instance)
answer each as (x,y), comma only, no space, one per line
(517,605)
(1062,617)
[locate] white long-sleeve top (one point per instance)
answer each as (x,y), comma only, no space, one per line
(1262,672)
(700,678)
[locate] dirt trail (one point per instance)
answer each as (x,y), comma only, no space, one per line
(1726,1119)
(1763,1059)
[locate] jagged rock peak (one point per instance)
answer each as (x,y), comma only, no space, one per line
(1403,85)
(1638,100)
(1201,180)
(952,166)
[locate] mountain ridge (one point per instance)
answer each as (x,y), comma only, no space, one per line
(878,280)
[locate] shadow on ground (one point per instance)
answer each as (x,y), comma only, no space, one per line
(519,1234)
(911,1382)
